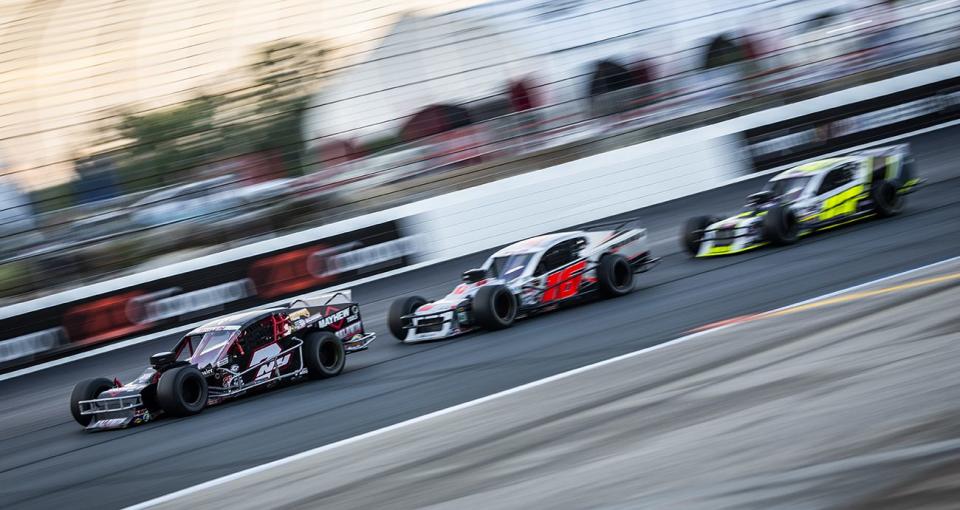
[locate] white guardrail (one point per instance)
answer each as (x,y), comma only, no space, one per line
(594,187)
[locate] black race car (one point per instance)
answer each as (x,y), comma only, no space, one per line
(227,358)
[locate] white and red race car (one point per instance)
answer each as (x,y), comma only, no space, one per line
(528,277)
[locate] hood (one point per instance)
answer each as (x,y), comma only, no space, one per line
(458,295)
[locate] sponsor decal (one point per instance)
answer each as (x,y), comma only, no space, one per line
(349,331)
(334,318)
(266,353)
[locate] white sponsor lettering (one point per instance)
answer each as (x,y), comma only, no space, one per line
(862,122)
(32,343)
(268,352)
(334,317)
(196,301)
(329,262)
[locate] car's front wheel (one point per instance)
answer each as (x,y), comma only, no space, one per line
(780,226)
(87,390)
(693,233)
(400,308)
(182,391)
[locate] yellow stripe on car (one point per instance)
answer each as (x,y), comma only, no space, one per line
(726,250)
(842,203)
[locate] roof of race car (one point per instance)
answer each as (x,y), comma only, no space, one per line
(535,244)
(813,167)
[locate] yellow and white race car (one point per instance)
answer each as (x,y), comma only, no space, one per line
(807,198)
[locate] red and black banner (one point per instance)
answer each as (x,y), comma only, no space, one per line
(204,293)
(809,136)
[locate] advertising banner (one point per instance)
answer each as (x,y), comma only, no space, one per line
(809,136)
(195,295)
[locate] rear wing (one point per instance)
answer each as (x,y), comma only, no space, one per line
(618,225)
(893,163)
(902,149)
(329,298)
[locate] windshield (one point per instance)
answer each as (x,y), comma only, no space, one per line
(510,266)
(789,188)
(208,346)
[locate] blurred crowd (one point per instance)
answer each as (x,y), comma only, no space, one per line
(470,89)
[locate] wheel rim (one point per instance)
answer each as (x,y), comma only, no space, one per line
(329,356)
(192,391)
(892,198)
(621,274)
(789,227)
(502,305)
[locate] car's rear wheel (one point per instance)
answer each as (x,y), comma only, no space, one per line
(693,233)
(614,275)
(182,391)
(399,308)
(886,199)
(494,307)
(87,390)
(323,355)
(780,226)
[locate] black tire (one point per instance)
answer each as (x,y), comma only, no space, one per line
(399,308)
(614,275)
(323,355)
(87,390)
(887,201)
(494,307)
(182,391)
(780,226)
(690,237)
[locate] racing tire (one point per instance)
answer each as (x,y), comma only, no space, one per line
(887,201)
(690,237)
(780,226)
(399,308)
(614,275)
(87,390)
(182,391)
(494,307)
(323,355)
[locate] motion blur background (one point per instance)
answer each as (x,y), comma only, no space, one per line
(140,133)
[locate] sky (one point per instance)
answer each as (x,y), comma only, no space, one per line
(66,65)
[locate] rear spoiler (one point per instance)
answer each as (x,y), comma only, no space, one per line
(618,225)
(885,150)
(329,298)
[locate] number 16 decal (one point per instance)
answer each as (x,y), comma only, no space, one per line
(570,278)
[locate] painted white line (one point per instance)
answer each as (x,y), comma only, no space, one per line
(387,274)
(442,412)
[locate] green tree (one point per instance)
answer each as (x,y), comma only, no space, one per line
(166,143)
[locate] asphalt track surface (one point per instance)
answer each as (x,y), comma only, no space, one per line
(838,403)
(47,461)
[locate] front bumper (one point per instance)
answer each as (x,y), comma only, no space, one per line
(431,326)
(737,240)
(115,412)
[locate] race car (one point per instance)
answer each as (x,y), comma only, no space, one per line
(229,357)
(528,277)
(807,198)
